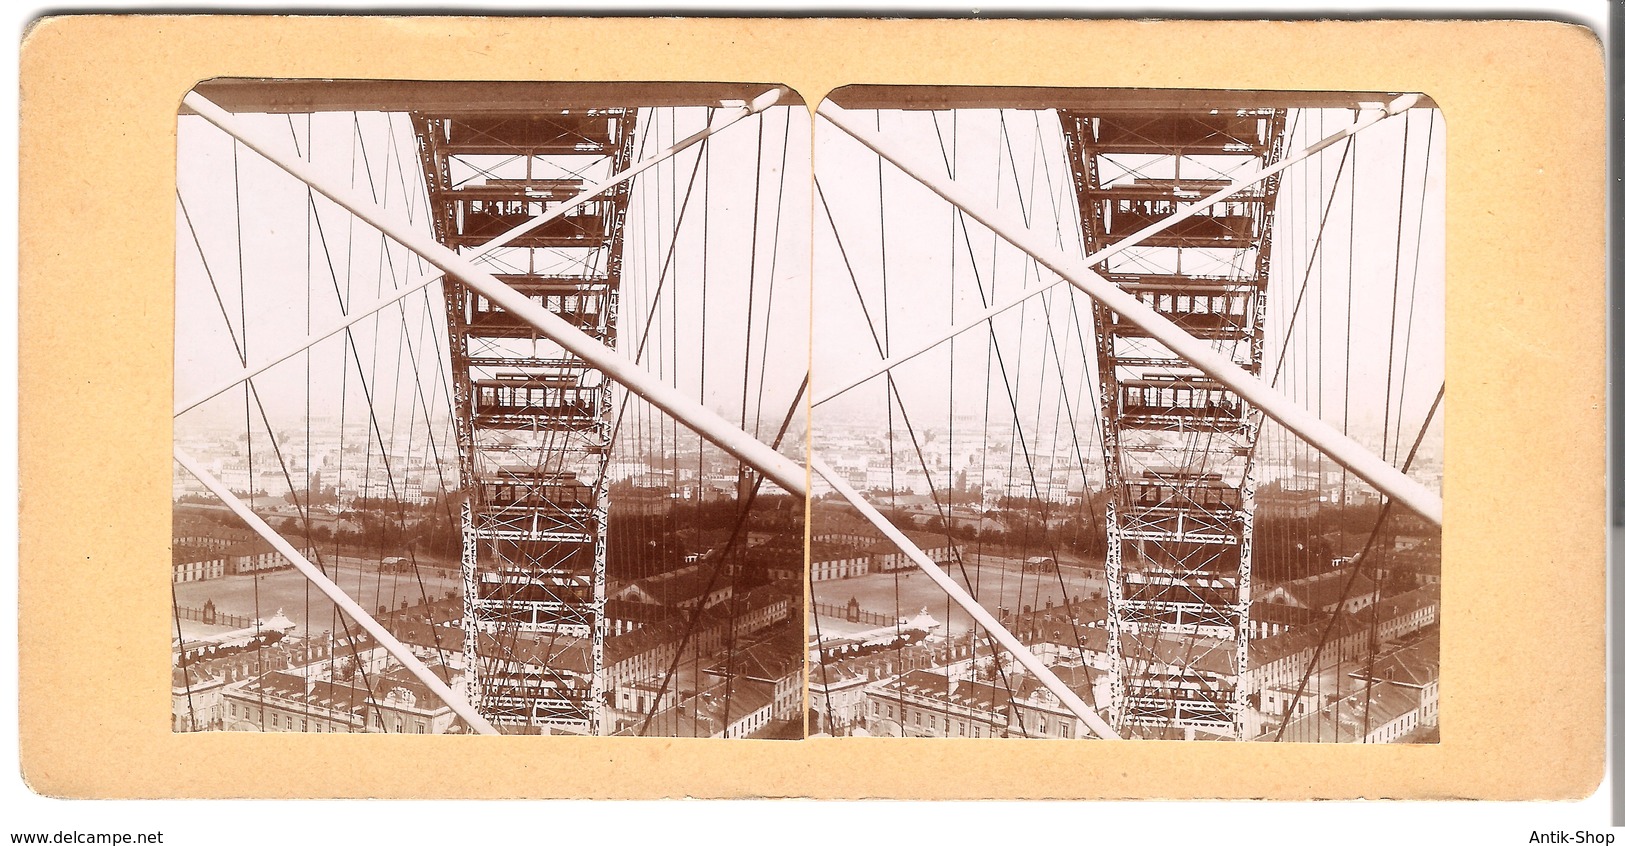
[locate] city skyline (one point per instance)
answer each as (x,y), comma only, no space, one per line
(538,540)
(715,302)
(1130,548)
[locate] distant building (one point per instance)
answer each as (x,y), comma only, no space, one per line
(837,524)
(626,616)
(1268,619)
(776,559)
(195,699)
(1037,712)
(925,703)
(1289,504)
(1414,665)
(1279,663)
(830,561)
(284,702)
(1323,592)
(743,711)
(195,526)
(776,662)
(194,564)
(206,549)
(1412,567)
(287,701)
(254,556)
(1065,643)
(1276,699)
(1408,612)
(887,557)
(1389,714)
(837,695)
(686,588)
(722,711)
(643,656)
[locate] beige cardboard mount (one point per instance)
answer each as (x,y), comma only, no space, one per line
(1522,709)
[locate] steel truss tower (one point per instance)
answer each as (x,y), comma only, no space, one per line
(1179,445)
(533,421)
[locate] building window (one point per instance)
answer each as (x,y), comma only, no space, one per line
(421,729)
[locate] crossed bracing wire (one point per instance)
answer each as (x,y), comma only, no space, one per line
(877,150)
(352,354)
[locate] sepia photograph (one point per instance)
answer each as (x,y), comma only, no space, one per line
(1127,415)
(490,408)
(888,386)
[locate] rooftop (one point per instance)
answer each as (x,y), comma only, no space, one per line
(1415,664)
(928,684)
(1347,721)
(1324,590)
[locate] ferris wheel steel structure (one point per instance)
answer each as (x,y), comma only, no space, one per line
(1080,274)
(533,422)
(1179,471)
(791,476)
(525,704)
(1192,532)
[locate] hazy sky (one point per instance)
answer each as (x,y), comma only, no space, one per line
(293,265)
(918,265)
(917,272)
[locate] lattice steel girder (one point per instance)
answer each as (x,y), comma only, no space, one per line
(437,171)
(1182,505)
(550,513)
(1337,446)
